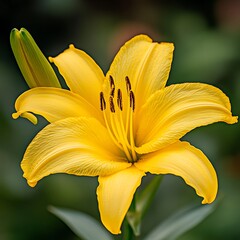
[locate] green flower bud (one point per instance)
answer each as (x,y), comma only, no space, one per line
(34,66)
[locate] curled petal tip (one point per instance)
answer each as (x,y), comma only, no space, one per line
(30,117)
(16,115)
(26,115)
(51,59)
(71,46)
(205,201)
(208,199)
(233,120)
(31,183)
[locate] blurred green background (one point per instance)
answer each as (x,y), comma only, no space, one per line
(206,35)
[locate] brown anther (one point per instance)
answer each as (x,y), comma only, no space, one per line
(102,102)
(112,92)
(128,84)
(132,100)
(112,108)
(119,99)
(112,85)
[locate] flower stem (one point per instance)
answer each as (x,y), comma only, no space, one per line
(140,204)
(128,232)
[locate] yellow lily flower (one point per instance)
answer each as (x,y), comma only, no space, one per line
(122,125)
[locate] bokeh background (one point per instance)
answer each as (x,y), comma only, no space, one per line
(206,35)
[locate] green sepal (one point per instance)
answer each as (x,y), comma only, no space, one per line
(141,203)
(34,66)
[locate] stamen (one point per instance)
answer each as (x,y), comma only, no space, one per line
(119,99)
(112,92)
(112,85)
(102,102)
(132,100)
(114,137)
(120,136)
(120,124)
(132,142)
(128,84)
(112,108)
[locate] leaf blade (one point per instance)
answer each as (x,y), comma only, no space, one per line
(181,222)
(83,225)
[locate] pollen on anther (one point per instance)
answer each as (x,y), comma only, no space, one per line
(102,102)
(128,84)
(112,91)
(112,85)
(119,99)
(112,107)
(132,100)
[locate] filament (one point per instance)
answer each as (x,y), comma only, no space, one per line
(120,127)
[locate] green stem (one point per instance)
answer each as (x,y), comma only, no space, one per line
(128,231)
(140,204)
(145,198)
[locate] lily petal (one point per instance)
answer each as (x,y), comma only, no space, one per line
(53,104)
(81,73)
(147,65)
(186,161)
(115,194)
(172,112)
(72,146)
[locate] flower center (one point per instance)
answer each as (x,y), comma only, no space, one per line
(118,116)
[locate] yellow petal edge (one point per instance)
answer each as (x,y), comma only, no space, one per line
(186,161)
(115,193)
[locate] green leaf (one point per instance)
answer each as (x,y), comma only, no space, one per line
(83,225)
(180,222)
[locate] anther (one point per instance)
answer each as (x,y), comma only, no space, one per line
(132,100)
(119,99)
(112,85)
(112,108)
(102,102)
(112,91)
(128,84)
